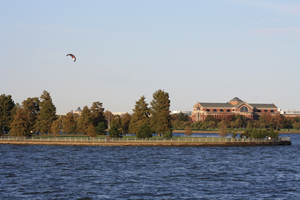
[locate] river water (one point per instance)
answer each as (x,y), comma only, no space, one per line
(84,172)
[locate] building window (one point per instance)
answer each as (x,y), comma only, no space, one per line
(221,110)
(266,111)
(214,110)
(272,111)
(198,108)
(244,109)
(228,110)
(207,110)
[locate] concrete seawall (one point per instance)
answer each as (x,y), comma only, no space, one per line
(158,144)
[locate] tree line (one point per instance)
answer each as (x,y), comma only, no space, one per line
(38,116)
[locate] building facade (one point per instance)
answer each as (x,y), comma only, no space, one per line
(233,107)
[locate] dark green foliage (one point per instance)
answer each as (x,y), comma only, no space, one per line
(116,121)
(20,125)
(183,117)
(47,113)
(140,116)
(260,133)
(7,106)
(160,121)
(125,123)
(114,132)
(97,113)
(144,132)
(32,108)
(100,129)
(168,134)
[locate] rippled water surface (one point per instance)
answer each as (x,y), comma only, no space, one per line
(82,172)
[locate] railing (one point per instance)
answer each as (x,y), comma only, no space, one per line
(138,140)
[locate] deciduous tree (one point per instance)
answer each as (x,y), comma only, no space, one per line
(20,125)
(125,123)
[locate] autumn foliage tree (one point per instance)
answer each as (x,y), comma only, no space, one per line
(7,106)
(20,125)
(69,123)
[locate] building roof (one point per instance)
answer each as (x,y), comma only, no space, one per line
(235,99)
(222,105)
(78,109)
(263,105)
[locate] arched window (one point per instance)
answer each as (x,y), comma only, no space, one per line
(221,110)
(207,110)
(244,109)
(198,108)
(266,111)
(272,111)
(214,110)
(228,110)
(258,110)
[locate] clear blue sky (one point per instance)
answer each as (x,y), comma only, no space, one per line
(196,50)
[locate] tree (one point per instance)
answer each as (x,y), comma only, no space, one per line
(116,121)
(97,113)
(188,131)
(296,125)
(100,129)
(47,113)
(91,131)
(7,106)
(183,117)
(160,121)
(55,128)
(223,129)
(69,123)
(114,132)
(144,132)
(125,123)
(84,121)
(168,134)
(108,116)
(20,125)
(140,115)
(32,108)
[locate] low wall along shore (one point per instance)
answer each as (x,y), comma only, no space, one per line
(143,142)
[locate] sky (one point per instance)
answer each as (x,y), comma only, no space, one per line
(195,50)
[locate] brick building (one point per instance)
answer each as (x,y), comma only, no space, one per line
(233,107)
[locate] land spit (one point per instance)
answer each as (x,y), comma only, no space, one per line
(157,144)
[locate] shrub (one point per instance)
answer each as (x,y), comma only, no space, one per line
(168,134)
(144,132)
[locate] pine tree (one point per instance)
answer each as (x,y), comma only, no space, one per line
(32,108)
(7,106)
(84,121)
(160,111)
(69,123)
(47,113)
(140,116)
(97,113)
(91,131)
(20,125)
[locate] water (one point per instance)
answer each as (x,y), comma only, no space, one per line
(83,172)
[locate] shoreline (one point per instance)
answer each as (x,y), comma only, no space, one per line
(150,144)
(212,132)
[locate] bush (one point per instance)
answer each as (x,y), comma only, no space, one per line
(168,134)
(144,132)
(114,132)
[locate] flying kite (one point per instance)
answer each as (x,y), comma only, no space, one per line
(74,58)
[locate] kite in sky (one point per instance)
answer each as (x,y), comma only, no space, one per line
(74,58)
